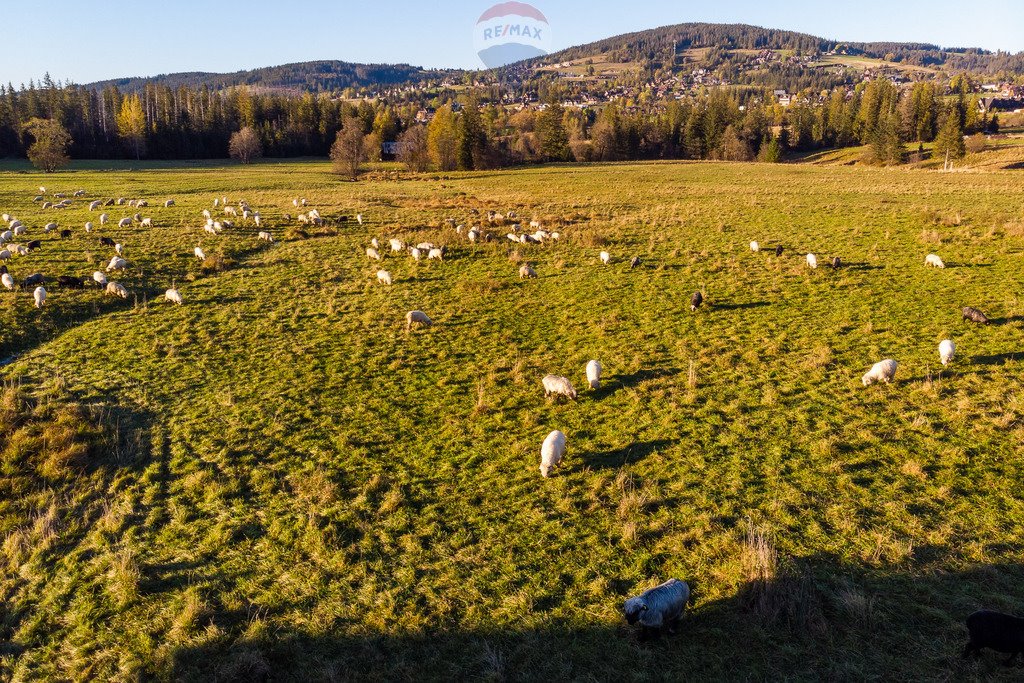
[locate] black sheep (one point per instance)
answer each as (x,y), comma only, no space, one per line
(70,282)
(33,245)
(778,250)
(106,241)
(696,300)
(33,280)
(996,631)
(975,316)
(65,234)
(837,263)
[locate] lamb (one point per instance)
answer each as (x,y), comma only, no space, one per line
(525,271)
(266,237)
(33,245)
(696,301)
(200,254)
(256,219)
(173,295)
(106,241)
(975,316)
(5,254)
(207,215)
(117,289)
(594,374)
(372,253)
(125,223)
(117,263)
(359,218)
(551,452)
(659,608)
(40,296)
(996,631)
(397,245)
(946,350)
(882,371)
(812,261)
(418,317)
(606,258)
(556,385)
(32,281)
(755,247)
(119,248)
(934,261)
(384,277)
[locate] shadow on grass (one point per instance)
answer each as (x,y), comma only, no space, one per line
(997,359)
(860,266)
(631,453)
(739,306)
(635,378)
(1008,320)
(816,618)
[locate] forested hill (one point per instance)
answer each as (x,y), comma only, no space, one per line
(321,76)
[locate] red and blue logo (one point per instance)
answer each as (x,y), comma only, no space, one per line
(511,32)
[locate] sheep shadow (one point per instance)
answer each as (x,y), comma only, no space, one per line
(1007,320)
(739,306)
(634,452)
(860,266)
(635,378)
(997,359)
(817,617)
(960,266)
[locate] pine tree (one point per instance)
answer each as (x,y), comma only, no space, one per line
(554,140)
(950,141)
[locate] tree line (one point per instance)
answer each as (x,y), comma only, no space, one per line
(467,132)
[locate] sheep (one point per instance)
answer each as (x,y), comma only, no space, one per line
(216,202)
(755,247)
(173,295)
(256,219)
(70,282)
(934,261)
(124,223)
(104,218)
(606,258)
(95,205)
(418,317)
(49,227)
(47,205)
(99,278)
(436,254)
(6,236)
(200,254)
(210,228)
(266,237)
(207,215)
(384,277)
(634,262)
(837,263)
(142,203)
(31,281)
(975,316)
(882,371)
(230,211)
(525,271)
(137,218)
(32,245)
(359,218)
(7,280)
(20,229)
(374,243)
(65,234)
(426,246)
(659,608)
(551,452)
(5,254)
(946,350)
(594,374)
(397,245)
(416,253)
(812,261)
(372,253)
(147,222)
(696,301)
(556,385)
(106,242)
(119,248)
(996,631)
(169,203)
(512,236)
(117,263)
(22,250)
(778,251)
(117,289)
(40,296)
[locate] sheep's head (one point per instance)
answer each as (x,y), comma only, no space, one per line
(634,609)
(545,470)
(866,379)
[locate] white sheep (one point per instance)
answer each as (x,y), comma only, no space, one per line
(416,253)
(124,223)
(88,227)
(397,245)
(436,254)
(20,229)
(418,317)
(147,222)
(594,374)
(525,271)
(95,205)
(173,295)
(40,296)
(374,243)
(659,608)
(556,385)
(100,278)
(384,277)
(7,280)
(256,219)
(6,236)
(934,261)
(882,371)
(207,215)
(5,254)
(754,246)
(372,253)
(104,218)
(359,218)
(117,289)
(119,248)
(946,350)
(200,254)
(551,452)
(266,236)
(5,217)
(117,263)
(606,257)
(426,246)
(812,261)
(216,202)
(49,227)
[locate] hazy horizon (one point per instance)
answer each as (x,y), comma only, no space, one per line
(233,36)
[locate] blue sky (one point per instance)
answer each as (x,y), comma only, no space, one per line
(87,40)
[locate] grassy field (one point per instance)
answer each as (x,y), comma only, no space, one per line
(275,481)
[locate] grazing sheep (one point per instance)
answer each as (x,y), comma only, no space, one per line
(418,317)
(40,296)
(200,254)
(836,263)
(137,218)
(147,222)
(594,374)
(372,253)
(65,234)
(32,245)
(755,247)
(512,236)
(384,277)
(142,203)
(266,237)
(812,261)
(70,282)
(551,452)
(778,251)
(6,236)
(5,254)
(435,254)
(882,371)
(256,219)
(556,385)
(397,245)
(173,295)
(946,350)
(117,289)
(659,608)
(117,263)
(31,281)
(606,258)
(95,205)
(934,261)
(426,246)
(119,248)
(416,253)
(525,271)
(107,242)
(49,227)
(996,631)
(207,215)
(359,218)
(104,218)
(125,223)
(7,280)
(975,316)
(696,301)
(634,262)
(99,278)
(20,229)
(169,203)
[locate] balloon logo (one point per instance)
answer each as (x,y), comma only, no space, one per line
(510,32)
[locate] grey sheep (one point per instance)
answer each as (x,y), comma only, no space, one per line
(659,608)
(975,316)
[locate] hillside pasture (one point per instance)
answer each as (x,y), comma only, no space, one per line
(276,481)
